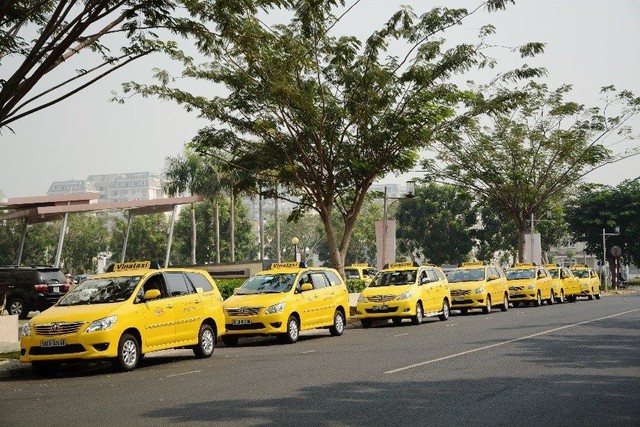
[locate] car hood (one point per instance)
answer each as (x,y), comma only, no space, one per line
(75,313)
(255,300)
(466,285)
(385,290)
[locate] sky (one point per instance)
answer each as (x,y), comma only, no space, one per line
(590,44)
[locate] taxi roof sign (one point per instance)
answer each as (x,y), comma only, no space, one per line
(580,266)
(523,264)
(402,264)
(291,264)
(359,264)
(551,265)
(132,265)
(472,263)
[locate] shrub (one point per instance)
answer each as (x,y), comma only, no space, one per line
(227,286)
(634,282)
(355,286)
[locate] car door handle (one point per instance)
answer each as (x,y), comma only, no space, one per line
(169,305)
(197,301)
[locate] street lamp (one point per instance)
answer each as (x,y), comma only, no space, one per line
(294,242)
(410,192)
(604,252)
(531,243)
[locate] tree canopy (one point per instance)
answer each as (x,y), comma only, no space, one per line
(328,115)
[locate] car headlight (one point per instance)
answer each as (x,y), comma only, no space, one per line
(275,308)
(102,324)
(26,330)
(531,286)
(404,295)
(479,290)
(362,298)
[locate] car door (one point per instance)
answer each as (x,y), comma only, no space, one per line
(308,302)
(324,295)
(187,305)
(427,285)
(159,314)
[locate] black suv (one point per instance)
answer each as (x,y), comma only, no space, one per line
(24,289)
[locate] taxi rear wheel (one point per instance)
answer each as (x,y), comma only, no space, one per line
(417,319)
(552,298)
(128,353)
(505,303)
(293,330)
(445,310)
(590,297)
(487,308)
(206,342)
(338,324)
(561,297)
(17,307)
(597,296)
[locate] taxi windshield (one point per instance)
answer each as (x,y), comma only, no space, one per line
(394,278)
(554,272)
(101,291)
(582,274)
(351,273)
(466,275)
(267,284)
(520,274)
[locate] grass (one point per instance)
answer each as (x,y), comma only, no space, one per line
(10,355)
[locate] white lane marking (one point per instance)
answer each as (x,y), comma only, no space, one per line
(486,347)
(183,373)
(400,335)
(307,352)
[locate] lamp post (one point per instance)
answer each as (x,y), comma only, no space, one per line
(294,242)
(410,192)
(531,242)
(604,252)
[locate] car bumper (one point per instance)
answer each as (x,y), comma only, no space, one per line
(382,310)
(468,301)
(95,345)
(268,324)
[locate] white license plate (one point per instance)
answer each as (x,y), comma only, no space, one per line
(53,343)
(379,307)
(241,322)
(458,299)
(56,289)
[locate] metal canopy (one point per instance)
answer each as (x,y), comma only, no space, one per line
(39,209)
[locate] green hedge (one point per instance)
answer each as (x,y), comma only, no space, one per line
(634,282)
(355,286)
(227,286)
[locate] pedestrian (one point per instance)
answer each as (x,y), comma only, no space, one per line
(69,281)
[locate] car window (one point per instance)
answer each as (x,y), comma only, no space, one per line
(155,282)
(351,273)
(319,280)
(333,277)
(177,285)
(440,275)
(52,276)
(200,282)
(369,272)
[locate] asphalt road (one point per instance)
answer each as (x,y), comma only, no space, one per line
(566,365)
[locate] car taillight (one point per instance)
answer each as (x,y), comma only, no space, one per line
(41,288)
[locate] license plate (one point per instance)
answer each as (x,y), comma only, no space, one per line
(53,343)
(241,322)
(56,289)
(458,299)
(379,307)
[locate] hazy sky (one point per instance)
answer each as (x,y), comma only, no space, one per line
(591,43)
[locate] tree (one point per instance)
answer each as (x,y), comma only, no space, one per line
(39,37)
(307,229)
(326,116)
(595,208)
(436,225)
(517,161)
(39,246)
(147,238)
(88,235)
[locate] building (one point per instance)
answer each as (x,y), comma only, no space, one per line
(121,187)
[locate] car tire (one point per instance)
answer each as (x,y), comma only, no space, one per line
(128,353)
(206,342)
(505,304)
(365,323)
(417,319)
(560,299)
(293,330)
(590,297)
(445,311)
(230,340)
(597,296)
(552,298)
(16,306)
(538,301)
(45,369)
(487,308)
(338,324)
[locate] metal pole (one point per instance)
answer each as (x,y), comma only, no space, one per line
(532,233)
(384,228)
(217,232)
(126,238)
(61,240)
(604,259)
(261,227)
(276,212)
(173,221)
(22,240)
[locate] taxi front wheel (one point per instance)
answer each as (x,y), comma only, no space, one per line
(293,330)
(338,324)
(128,353)
(417,319)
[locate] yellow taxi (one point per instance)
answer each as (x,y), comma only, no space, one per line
(565,285)
(476,285)
(589,280)
(287,298)
(121,315)
(405,290)
(360,271)
(529,283)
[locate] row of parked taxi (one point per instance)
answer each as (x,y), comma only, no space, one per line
(135,309)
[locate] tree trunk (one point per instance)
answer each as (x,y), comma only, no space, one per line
(193,235)
(233,227)
(521,232)
(217,232)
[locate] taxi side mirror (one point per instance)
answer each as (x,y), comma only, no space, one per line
(425,280)
(540,275)
(235,290)
(492,277)
(152,294)
(306,287)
